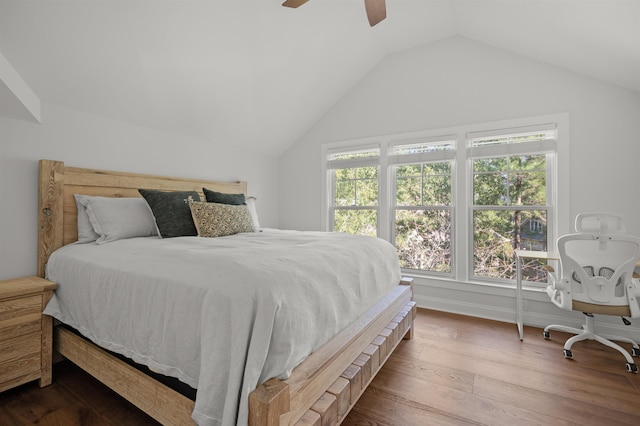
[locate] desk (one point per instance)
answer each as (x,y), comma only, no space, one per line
(526,254)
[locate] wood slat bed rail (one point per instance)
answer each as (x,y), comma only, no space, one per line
(336,403)
(311,379)
(160,402)
(314,377)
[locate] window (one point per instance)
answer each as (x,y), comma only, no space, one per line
(454,205)
(510,193)
(535,225)
(423,203)
(354,184)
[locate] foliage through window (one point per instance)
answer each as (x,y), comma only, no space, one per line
(422,205)
(355,191)
(411,192)
(510,192)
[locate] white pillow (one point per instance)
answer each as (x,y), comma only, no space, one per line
(86,234)
(251,205)
(118,218)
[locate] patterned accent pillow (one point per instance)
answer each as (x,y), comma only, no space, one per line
(218,220)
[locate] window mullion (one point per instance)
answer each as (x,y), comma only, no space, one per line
(384,199)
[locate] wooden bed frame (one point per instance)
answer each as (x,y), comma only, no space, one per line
(320,391)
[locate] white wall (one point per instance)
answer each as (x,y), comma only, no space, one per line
(84,140)
(457,81)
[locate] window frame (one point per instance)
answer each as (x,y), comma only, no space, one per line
(330,187)
(558,217)
(547,147)
(437,156)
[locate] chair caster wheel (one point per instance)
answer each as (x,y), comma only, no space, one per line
(635,351)
(546,335)
(567,353)
(632,368)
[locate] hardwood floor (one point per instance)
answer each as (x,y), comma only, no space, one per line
(456,370)
(467,371)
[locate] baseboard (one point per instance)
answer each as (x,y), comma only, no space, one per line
(604,324)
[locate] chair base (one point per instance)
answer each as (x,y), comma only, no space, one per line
(587,332)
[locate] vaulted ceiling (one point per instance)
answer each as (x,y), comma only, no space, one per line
(258,75)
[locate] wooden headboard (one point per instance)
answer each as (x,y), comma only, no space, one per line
(57,214)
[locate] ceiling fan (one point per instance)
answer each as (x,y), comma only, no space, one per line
(376,10)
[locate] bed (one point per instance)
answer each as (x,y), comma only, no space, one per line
(321,389)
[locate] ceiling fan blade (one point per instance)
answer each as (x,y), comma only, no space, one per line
(376,11)
(294,3)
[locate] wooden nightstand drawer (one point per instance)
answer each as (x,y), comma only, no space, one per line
(20,306)
(25,333)
(20,316)
(20,356)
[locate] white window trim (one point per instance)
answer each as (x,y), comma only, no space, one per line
(557,194)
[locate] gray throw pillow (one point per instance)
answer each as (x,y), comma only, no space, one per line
(222,198)
(171,211)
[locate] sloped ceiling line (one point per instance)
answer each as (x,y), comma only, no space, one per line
(254,74)
(18,100)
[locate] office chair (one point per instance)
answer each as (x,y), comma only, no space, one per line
(596,276)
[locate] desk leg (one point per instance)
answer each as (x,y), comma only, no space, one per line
(519,297)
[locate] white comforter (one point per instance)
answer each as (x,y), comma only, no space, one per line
(221,314)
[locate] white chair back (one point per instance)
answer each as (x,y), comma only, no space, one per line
(599,268)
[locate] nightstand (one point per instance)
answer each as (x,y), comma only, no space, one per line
(25,334)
